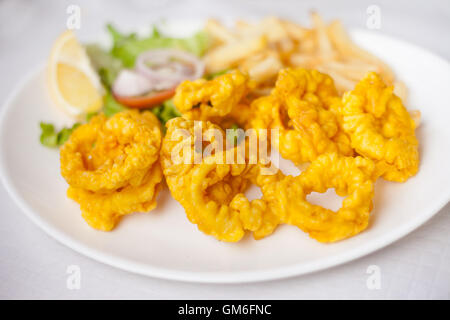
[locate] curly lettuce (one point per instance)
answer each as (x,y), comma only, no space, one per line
(107,66)
(52,138)
(126,47)
(166,111)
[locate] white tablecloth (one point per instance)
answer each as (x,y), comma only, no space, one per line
(33,265)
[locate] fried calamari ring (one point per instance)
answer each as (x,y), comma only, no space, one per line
(351,177)
(380,128)
(205,100)
(210,191)
(298,108)
(107,154)
(112,166)
(103,210)
(308,85)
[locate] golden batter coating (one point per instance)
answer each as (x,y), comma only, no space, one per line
(205,100)
(298,108)
(106,154)
(211,191)
(112,166)
(350,177)
(103,210)
(380,128)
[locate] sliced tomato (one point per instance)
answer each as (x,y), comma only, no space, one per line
(143,102)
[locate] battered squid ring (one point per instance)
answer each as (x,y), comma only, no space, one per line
(206,100)
(350,177)
(104,210)
(107,154)
(211,192)
(380,128)
(298,107)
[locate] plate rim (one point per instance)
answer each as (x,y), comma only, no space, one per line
(218,277)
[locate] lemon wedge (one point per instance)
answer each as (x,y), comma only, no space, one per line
(74,85)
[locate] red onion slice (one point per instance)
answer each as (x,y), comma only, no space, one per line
(129,83)
(166,68)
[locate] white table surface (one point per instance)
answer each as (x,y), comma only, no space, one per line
(33,265)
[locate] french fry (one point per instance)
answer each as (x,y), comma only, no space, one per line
(308,61)
(286,45)
(270,27)
(242,25)
(229,54)
(353,71)
(244,29)
(218,32)
(261,49)
(309,43)
(250,62)
(342,83)
(265,69)
(273,29)
(346,47)
(325,47)
(295,31)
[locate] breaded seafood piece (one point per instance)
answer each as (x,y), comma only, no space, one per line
(103,211)
(380,128)
(112,166)
(106,154)
(350,177)
(208,99)
(210,190)
(298,108)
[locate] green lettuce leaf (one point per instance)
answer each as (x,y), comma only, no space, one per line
(166,111)
(107,65)
(126,47)
(111,106)
(214,75)
(52,138)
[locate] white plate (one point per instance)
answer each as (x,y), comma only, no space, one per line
(164,244)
